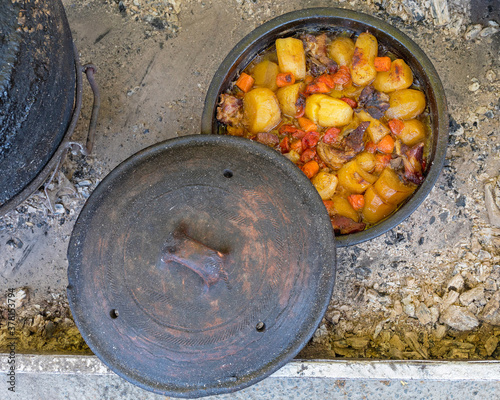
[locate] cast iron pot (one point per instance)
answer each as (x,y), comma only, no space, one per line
(324,19)
(40,96)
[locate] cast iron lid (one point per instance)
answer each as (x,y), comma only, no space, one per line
(201,265)
(37,89)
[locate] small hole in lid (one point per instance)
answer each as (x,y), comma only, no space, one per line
(113,313)
(228,173)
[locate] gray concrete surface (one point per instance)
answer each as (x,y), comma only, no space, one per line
(85,377)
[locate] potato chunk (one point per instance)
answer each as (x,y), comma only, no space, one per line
(326,111)
(377,130)
(341,206)
(354,178)
(391,189)
(397,78)
(405,104)
(341,50)
(265,74)
(375,208)
(325,183)
(291,57)
(261,110)
(413,132)
(288,96)
(366,161)
(363,69)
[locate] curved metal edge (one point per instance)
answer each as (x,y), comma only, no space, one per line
(235,56)
(60,154)
(327,277)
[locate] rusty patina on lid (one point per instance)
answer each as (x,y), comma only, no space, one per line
(201,265)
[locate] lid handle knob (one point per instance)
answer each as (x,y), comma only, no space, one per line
(199,258)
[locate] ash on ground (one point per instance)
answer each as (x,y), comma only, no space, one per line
(428,289)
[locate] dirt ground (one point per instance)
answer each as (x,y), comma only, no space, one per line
(428,289)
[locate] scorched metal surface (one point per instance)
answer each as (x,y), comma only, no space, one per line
(37,89)
(201,265)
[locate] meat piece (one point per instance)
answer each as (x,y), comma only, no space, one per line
(230,110)
(315,67)
(316,47)
(397,164)
(267,138)
(412,161)
(344,225)
(300,106)
(355,139)
(374,102)
(333,157)
(336,154)
(417,152)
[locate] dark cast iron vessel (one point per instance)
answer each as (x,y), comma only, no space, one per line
(325,19)
(40,96)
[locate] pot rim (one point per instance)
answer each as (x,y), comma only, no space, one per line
(244,52)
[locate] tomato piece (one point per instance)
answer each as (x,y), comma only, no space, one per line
(332,135)
(311,139)
(285,144)
(349,101)
(299,134)
(308,155)
(286,129)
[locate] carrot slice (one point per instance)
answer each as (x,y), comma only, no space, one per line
(245,82)
(317,87)
(307,124)
(285,79)
(310,168)
(382,64)
(357,201)
(386,145)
